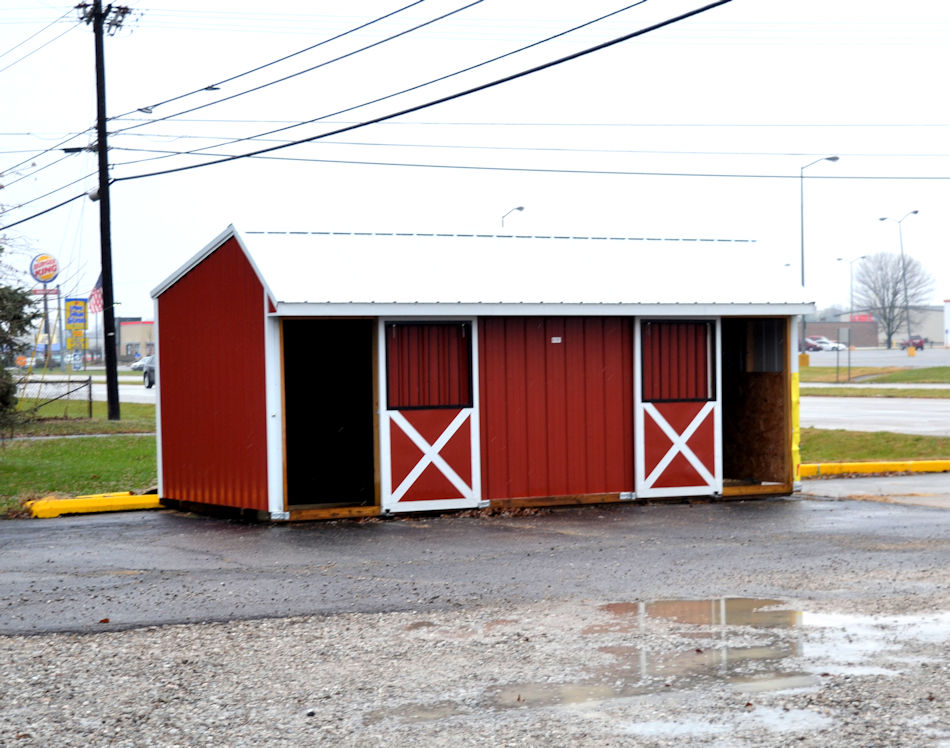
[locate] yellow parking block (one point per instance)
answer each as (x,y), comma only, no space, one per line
(101,502)
(813,469)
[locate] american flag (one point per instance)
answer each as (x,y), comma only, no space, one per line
(95,297)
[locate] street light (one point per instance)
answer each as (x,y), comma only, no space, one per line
(851,282)
(520,207)
(801,204)
(851,305)
(900,236)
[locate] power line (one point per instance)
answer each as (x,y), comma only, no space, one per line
(452,97)
(431,81)
(549,170)
(34,35)
(308,70)
(273,62)
(541,149)
(22,205)
(33,52)
(419,107)
(42,212)
(37,171)
(52,148)
(442,123)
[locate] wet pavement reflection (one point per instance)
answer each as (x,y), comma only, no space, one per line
(668,646)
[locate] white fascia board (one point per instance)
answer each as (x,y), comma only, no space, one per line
(181,272)
(207,250)
(158,403)
(370,309)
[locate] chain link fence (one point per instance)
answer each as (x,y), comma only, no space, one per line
(55,397)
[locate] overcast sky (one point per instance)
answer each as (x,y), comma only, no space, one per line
(699,129)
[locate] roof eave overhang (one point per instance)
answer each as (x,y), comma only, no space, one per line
(465,309)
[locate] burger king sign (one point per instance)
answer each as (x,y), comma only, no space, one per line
(44,268)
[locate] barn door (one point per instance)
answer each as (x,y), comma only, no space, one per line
(678,444)
(428,416)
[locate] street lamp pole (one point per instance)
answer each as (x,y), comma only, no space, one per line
(900,238)
(851,305)
(520,207)
(851,282)
(801,205)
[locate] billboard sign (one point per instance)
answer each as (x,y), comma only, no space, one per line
(44,268)
(76,317)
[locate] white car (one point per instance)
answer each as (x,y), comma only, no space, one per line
(827,345)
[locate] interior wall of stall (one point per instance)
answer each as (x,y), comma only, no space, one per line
(329,412)
(755,402)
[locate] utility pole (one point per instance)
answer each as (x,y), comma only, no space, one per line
(111,18)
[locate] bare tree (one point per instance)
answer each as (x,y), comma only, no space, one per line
(879,289)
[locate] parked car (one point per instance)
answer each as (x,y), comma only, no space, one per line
(821,343)
(147,367)
(916,341)
(808,345)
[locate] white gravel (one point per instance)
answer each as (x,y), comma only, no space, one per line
(578,673)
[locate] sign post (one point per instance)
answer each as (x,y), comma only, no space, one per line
(45,270)
(77,322)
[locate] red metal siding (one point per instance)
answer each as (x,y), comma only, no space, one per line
(556,418)
(429,365)
(677,363)
(213,411)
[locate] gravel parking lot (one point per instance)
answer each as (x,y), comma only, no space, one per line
(851,649)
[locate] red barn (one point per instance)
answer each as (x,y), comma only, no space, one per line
(317,375)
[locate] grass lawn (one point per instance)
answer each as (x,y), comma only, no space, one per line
(137,418)
(928,375)
(845,391)
(32,469)
(837,445)
(828,373)
(868,374)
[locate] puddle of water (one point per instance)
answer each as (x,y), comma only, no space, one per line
(837,642)
(523,695)
(637,671)
(774,720)
(848,642)
(729,611)
(775,682)
(415,712)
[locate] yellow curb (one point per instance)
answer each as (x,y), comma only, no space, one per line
(102,502)
(813,469)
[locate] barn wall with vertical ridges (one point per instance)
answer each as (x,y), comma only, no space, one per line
(556,417)
(211,359)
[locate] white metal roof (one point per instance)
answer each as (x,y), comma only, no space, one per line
(331,272)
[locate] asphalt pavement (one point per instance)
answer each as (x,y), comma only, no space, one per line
(881,357)
(925,416)
(921,489)
(114,571)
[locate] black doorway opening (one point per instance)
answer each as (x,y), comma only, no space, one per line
(329,414)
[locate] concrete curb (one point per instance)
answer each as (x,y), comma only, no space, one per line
(815,469)
(102,502)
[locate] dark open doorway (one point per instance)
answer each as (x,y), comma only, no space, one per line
(755,405)
(329,412)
